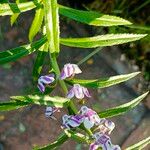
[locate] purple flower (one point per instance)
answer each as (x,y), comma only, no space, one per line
(78,91)
(45,80)
(91,118)
(103,141)
(69,70)
(72,121)
(50,111)
(106,127)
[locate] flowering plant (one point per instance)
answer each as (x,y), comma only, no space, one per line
(95,127)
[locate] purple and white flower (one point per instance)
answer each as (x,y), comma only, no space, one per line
(103,141)
(107,127)
(78,91)
(91,118)
(45,80)
(69,70)
(72,121)
(50,111)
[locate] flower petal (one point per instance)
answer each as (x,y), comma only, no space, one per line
(93,146)
(88,124)
(86,92)
(78,91)
(48,111)
(41,87)
(77,70)
(70,94)
(68,70)
(46,79)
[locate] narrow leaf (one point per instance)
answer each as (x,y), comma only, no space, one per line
(7,106)
(91,17)
(140,145)
(16,53)
(11,8)
(60,140)
(102,40)
(122,108)
(43,100)
(36,24)
(52,24)
(14,17)
(39,61)
(103,82)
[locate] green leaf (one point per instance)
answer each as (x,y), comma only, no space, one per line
(103,82)
(102,40)
(43,100)
(122,108)
(14,17)
(7,106)
(52,25)
(36,24)
(91,17)
(140,145)
(60,140)
(80,138)
(11,8)
(39,61)
(16,53)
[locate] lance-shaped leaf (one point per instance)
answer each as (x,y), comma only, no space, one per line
(52,24)
(14,17)
(12,105)
(91,17)
(36,24)
(16,53)
(60,140)
(39,61)
(122,108)
(11,8)
(103,82)
(43,100)
(140,145)
(102,40)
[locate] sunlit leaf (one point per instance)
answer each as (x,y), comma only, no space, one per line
(91,17)
(11,8)
(43,100)
(140,145)
(102,40)
(16,53)
(119,110)
(52,25)
(12,105)
(36,24)
(60,140)
(14,17)
(103,82)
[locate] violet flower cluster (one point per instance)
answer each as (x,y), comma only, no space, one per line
(90,118)
(86,116)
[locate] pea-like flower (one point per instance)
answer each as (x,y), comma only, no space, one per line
(72,121)
(45,80)
(107,126)
(78,91)
(103,141)
(69,71)
(50,111)
(91,118)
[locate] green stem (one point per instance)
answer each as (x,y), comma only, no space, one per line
(89,56)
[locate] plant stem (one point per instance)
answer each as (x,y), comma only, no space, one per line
(89,56)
